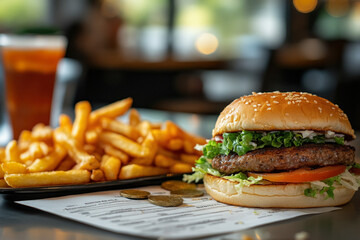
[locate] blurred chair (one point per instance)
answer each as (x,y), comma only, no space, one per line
(67,79)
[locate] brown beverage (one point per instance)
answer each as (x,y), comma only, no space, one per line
(29,79)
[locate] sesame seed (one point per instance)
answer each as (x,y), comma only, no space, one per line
(289,102)
(254,105)
(331,114)
(259,104)
(315,101)
(268,104)
(247,103)
(275,102)
(255,109)
(268,108)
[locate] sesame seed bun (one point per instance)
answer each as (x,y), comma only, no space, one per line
(272,196)
(283,111)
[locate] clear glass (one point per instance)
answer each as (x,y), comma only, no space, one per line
(30,64)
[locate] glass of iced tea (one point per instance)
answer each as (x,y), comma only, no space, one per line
(30,64)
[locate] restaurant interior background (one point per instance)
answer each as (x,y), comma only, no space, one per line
(196,56)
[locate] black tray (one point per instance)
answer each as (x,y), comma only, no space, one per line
(16,194)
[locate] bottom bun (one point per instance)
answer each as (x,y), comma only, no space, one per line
(273,195)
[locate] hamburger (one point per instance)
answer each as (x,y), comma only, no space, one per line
(282,150)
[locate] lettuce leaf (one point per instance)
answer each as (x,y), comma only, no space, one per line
(245,141)
(203,166)
(327,186)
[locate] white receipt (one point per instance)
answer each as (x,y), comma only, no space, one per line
(197,217)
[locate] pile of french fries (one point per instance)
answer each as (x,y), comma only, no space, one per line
(96,147)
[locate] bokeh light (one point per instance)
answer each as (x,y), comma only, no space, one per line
(305,6)
(337,8)
(207,43)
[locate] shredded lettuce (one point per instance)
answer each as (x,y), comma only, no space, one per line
(245,141)
(356,165)
(327,186)
(203,166)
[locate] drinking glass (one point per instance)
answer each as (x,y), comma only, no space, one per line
(30,63)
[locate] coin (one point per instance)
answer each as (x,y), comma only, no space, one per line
(188,193)
(165,200)
(172,185)
(134,194)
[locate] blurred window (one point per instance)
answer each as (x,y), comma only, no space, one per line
(228,28)
(339,19)
(144,30)
(20,14)
(202,28)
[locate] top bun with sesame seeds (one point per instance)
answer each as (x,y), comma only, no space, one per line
(283,111)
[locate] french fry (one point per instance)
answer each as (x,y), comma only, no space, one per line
(161,136)
(167,153)
(195,139)
(89,148)
(176,132)
(150,144)
(25,139)
(189,146)
(110,166)
(2,155)
(97,175)
(13,167)
(97,147)
(82,158)
(145,161)
(92,135)
(189,158)
(135,171)
(134,117)
(66,164)
(52,178)
(110,111)
(110,150)
(42,133)
(65,123)
(181,168)
(119,127)
(35,150)
(173,130)
(82,113)
(3,183)
(1,173)
(12,153)
(175,144)
(144,128)
(125,144)
(49,162)
(164,161)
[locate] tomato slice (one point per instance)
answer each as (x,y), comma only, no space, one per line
(302,174)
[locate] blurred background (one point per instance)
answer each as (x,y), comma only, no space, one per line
(195,56)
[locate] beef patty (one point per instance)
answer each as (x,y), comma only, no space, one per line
(282,159)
